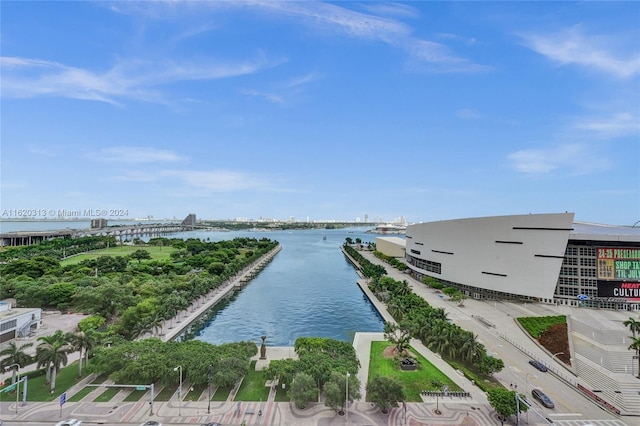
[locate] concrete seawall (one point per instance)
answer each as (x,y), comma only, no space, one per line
(204,304)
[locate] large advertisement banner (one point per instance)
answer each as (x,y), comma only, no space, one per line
(619,289)
(618,263)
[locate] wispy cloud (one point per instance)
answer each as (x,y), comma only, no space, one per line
(135,154)
(380,24)
(612,126)
(569,159)
(436,57)
(25,77)
(271,97)
(572,46)
(391,9)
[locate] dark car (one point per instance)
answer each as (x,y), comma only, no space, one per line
(537,364)
(543,398)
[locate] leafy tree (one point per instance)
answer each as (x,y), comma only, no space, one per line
(15,355)
(490,365)
(302,390)
(503,402)
(399,335)
(140,255)
(385,392)
(335,391)
(92,322)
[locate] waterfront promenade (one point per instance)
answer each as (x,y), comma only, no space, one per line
(454,411)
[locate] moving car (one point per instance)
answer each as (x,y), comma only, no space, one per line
(151,423)
(537,364)
(543,398)
(69,422)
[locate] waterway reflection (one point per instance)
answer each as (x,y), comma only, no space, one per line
(309,289)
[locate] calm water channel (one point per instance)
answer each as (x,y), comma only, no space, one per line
(309,289)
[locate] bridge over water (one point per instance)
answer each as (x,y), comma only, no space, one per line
(121,233)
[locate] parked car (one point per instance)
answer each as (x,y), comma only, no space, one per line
(69,422)
(537,364)
(543,398)
(212,424)
(151,423)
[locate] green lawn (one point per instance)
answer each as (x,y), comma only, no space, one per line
(413,381)
(221,394)
(81,394)
(157,253)
(107,395)
(166,393)
(135,395)
(252,387)
(38,390)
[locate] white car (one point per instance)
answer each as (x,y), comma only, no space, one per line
(69,422)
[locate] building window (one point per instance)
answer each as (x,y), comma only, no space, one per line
(415,251)
(8,325)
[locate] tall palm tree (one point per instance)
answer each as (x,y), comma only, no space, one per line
(635,344)
(15,355)
(58,336)
(633,325)
(83,342)
(54,355)
(470,349)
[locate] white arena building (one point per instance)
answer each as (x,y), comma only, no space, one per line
(542,257)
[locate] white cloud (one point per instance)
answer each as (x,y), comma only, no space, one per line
(568,159)
(596,52)
(436,57)
(271,97)
(612,126)
(135,154)
(331,18)
(25,78)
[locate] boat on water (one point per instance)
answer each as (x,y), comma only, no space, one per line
(388,229)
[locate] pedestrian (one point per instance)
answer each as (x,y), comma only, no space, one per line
(510,385)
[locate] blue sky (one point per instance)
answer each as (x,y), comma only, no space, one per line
(421,110)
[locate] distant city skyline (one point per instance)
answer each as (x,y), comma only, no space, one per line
(333,111)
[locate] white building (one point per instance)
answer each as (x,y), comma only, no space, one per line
(17,322)
(543,257)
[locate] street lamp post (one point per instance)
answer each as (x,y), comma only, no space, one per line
(526,377)
(209,385)
(346,403)
(179,390)
(16,382)
(557,353)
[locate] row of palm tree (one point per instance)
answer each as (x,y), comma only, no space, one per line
(51,353)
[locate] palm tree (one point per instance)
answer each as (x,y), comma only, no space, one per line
(470,349)
(58,336)
(633,325)
(53,355)
(15,355)
(635,344)
(83,342)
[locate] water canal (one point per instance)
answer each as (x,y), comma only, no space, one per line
(309,289)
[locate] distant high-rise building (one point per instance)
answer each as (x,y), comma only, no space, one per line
(366,218)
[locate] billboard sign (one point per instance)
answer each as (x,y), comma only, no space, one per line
(616,263)
(619,289)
